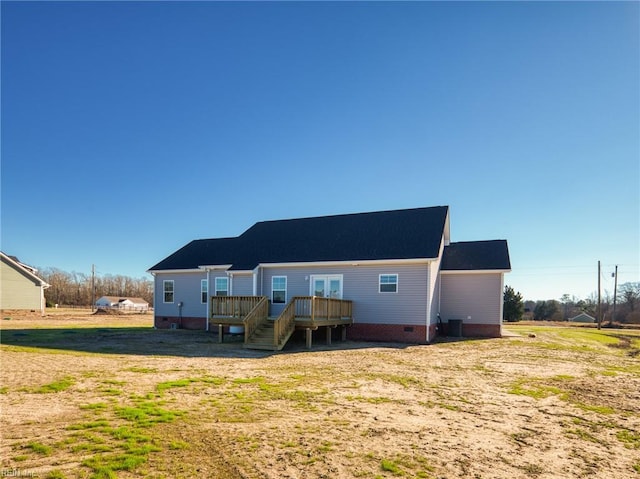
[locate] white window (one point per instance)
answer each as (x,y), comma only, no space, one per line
(204,290)
(167,288)
(279,289)
(388,283)
(222,286)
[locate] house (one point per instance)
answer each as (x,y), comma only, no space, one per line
(583,318)
(122,303)
(386,275)
(20,286)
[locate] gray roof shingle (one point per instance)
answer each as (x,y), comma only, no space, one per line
(397,234)
(476,255)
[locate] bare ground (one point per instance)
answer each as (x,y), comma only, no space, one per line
(76,388)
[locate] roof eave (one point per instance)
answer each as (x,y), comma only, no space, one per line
(470,271)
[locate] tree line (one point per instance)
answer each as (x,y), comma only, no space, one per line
(77,289)
(627,306)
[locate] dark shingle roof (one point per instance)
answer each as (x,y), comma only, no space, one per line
(398,234)
(476,255)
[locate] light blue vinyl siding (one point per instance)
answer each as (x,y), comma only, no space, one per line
(475,295)
(409,306)
(187,288)
(361,285)
(242,285)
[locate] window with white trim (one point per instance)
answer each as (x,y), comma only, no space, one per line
(279,289)
(388,283)
(204,290)
(222,286)
(167,289)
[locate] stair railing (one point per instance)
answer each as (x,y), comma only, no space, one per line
(285,323)
(252,320)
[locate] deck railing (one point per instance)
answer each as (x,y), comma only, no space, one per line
(259,313)
(316,308)
(285,323)
(232,307)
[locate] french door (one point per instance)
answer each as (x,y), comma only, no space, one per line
(326,286)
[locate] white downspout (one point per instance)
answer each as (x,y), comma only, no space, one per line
(208,297)
(43,302)
(429,302)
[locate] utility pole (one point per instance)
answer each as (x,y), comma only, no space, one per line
(615,293)
(93,287)
(599,306)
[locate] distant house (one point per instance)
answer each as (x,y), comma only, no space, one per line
(385,275)
(583,318)
(20,286)
(122,303)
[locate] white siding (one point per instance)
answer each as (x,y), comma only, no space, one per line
(475,295)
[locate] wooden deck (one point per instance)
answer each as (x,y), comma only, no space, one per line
(306,313)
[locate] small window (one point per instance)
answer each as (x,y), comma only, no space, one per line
(167,287)
(204,290)
(279,289)
(388,283)
(222,286)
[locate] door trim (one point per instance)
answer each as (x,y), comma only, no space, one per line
(327,278)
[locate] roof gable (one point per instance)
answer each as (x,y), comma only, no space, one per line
(382,235)
(24,269)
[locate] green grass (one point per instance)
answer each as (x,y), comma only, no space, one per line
(177,445)
(183,383)
(94,406)
(40,448)
(121,438)
(631,439)
(142,370)
(533,388)
(391,466)
(56,386)
(146,414)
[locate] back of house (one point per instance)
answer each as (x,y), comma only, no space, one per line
(398,269)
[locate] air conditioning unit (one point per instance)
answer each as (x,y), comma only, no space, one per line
(174,325)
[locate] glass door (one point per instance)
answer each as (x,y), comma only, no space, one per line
(327,286)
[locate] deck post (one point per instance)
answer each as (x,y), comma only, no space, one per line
(220,332)
(329,328)
(308,335)
(344,332)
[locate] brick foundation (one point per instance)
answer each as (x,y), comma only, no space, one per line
(482,330)
(402,333)
(164,322)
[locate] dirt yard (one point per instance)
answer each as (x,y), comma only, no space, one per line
(103,396)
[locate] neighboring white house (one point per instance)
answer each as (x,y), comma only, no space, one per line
(20,287)
(122,303)
(583,318)
(397,273)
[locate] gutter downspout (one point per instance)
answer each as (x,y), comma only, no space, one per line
(428,295)
(43,303)
(208,297)
(154,298)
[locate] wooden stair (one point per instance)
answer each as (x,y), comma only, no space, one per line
(263,337)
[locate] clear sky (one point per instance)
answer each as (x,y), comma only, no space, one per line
(131,128)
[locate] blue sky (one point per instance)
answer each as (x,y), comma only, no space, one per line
(129,129)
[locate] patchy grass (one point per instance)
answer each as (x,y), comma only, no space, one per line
(56,386)
(40,448)
(424,411)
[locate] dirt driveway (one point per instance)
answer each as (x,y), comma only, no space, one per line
(101,396)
